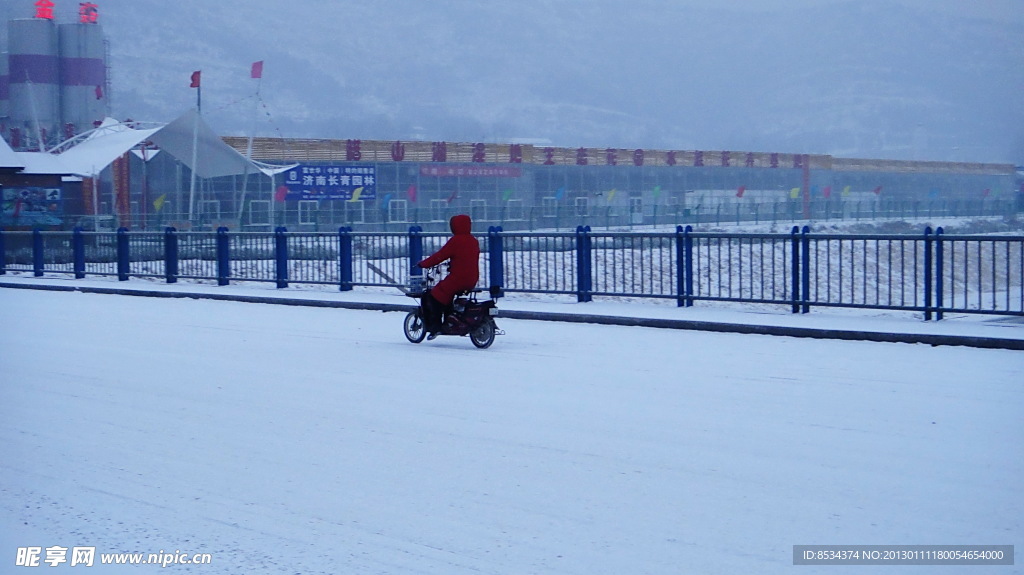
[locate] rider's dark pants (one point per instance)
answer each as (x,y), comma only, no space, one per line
(432,311)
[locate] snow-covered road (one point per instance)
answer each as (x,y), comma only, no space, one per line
(301,440)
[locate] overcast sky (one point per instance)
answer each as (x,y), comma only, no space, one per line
(908,79)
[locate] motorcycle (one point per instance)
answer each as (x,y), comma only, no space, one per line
(467,315)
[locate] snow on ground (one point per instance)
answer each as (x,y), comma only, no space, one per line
(855,319)
(307,440)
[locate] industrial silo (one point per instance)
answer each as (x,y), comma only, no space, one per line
(34,77)
(4,92)
(83,77)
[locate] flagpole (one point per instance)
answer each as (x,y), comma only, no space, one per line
(248,147)
(195,150)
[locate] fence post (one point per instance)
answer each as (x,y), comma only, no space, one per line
(3,254)
(584,279)
(78,252)
(223,256)
(37,253)
(344,259)
(680,267)
(123,256)
(928,270)
(795,268)
(938,273)
(415,250)
(805,270)
(171,254)
(684,261)
(281,257)
(689,265)
(496,262)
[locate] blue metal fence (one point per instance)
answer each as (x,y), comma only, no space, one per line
(932,273)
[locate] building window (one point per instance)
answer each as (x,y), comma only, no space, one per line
(307,211)
(398,211)
(582,207)
(259,213)
(550,206)
(438,208)
(478,210)
(636,210)
(514,210)
(355,212)
(673,204)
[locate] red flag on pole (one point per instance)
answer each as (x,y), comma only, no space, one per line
(257,69)
(740,190)
(195,79)
(411,192)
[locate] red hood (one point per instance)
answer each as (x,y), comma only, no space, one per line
(460,224)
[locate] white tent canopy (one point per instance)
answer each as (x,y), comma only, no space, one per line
(111,140)
(102,146)
(215,158)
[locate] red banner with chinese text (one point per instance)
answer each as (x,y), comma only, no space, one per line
(471,171)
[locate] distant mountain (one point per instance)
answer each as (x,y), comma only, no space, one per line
(863,78)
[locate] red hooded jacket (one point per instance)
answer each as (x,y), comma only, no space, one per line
(464,252)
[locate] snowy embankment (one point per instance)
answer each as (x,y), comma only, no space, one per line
(299,440)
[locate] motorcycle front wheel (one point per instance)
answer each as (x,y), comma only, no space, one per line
(483,336)
(415,331)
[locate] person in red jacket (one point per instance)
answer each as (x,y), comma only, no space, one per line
(464,252)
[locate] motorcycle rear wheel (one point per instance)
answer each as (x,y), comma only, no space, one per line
(483,336)
(415,330)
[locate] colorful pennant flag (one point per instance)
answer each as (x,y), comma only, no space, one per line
(740,191)
(827,192)
(385,201)
(281,193)
(794,193)
(257,69)
(506,195)
(355,195)
(158,204)
(560,193)
(611,194)
(657,192)
(452,197)
(195,78)
(846,190)
(411,193)
(878,190)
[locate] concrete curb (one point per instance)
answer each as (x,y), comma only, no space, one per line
(803,332)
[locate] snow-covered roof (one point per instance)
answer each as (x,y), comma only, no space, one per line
(41,163)
(8,157)
(31,162)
